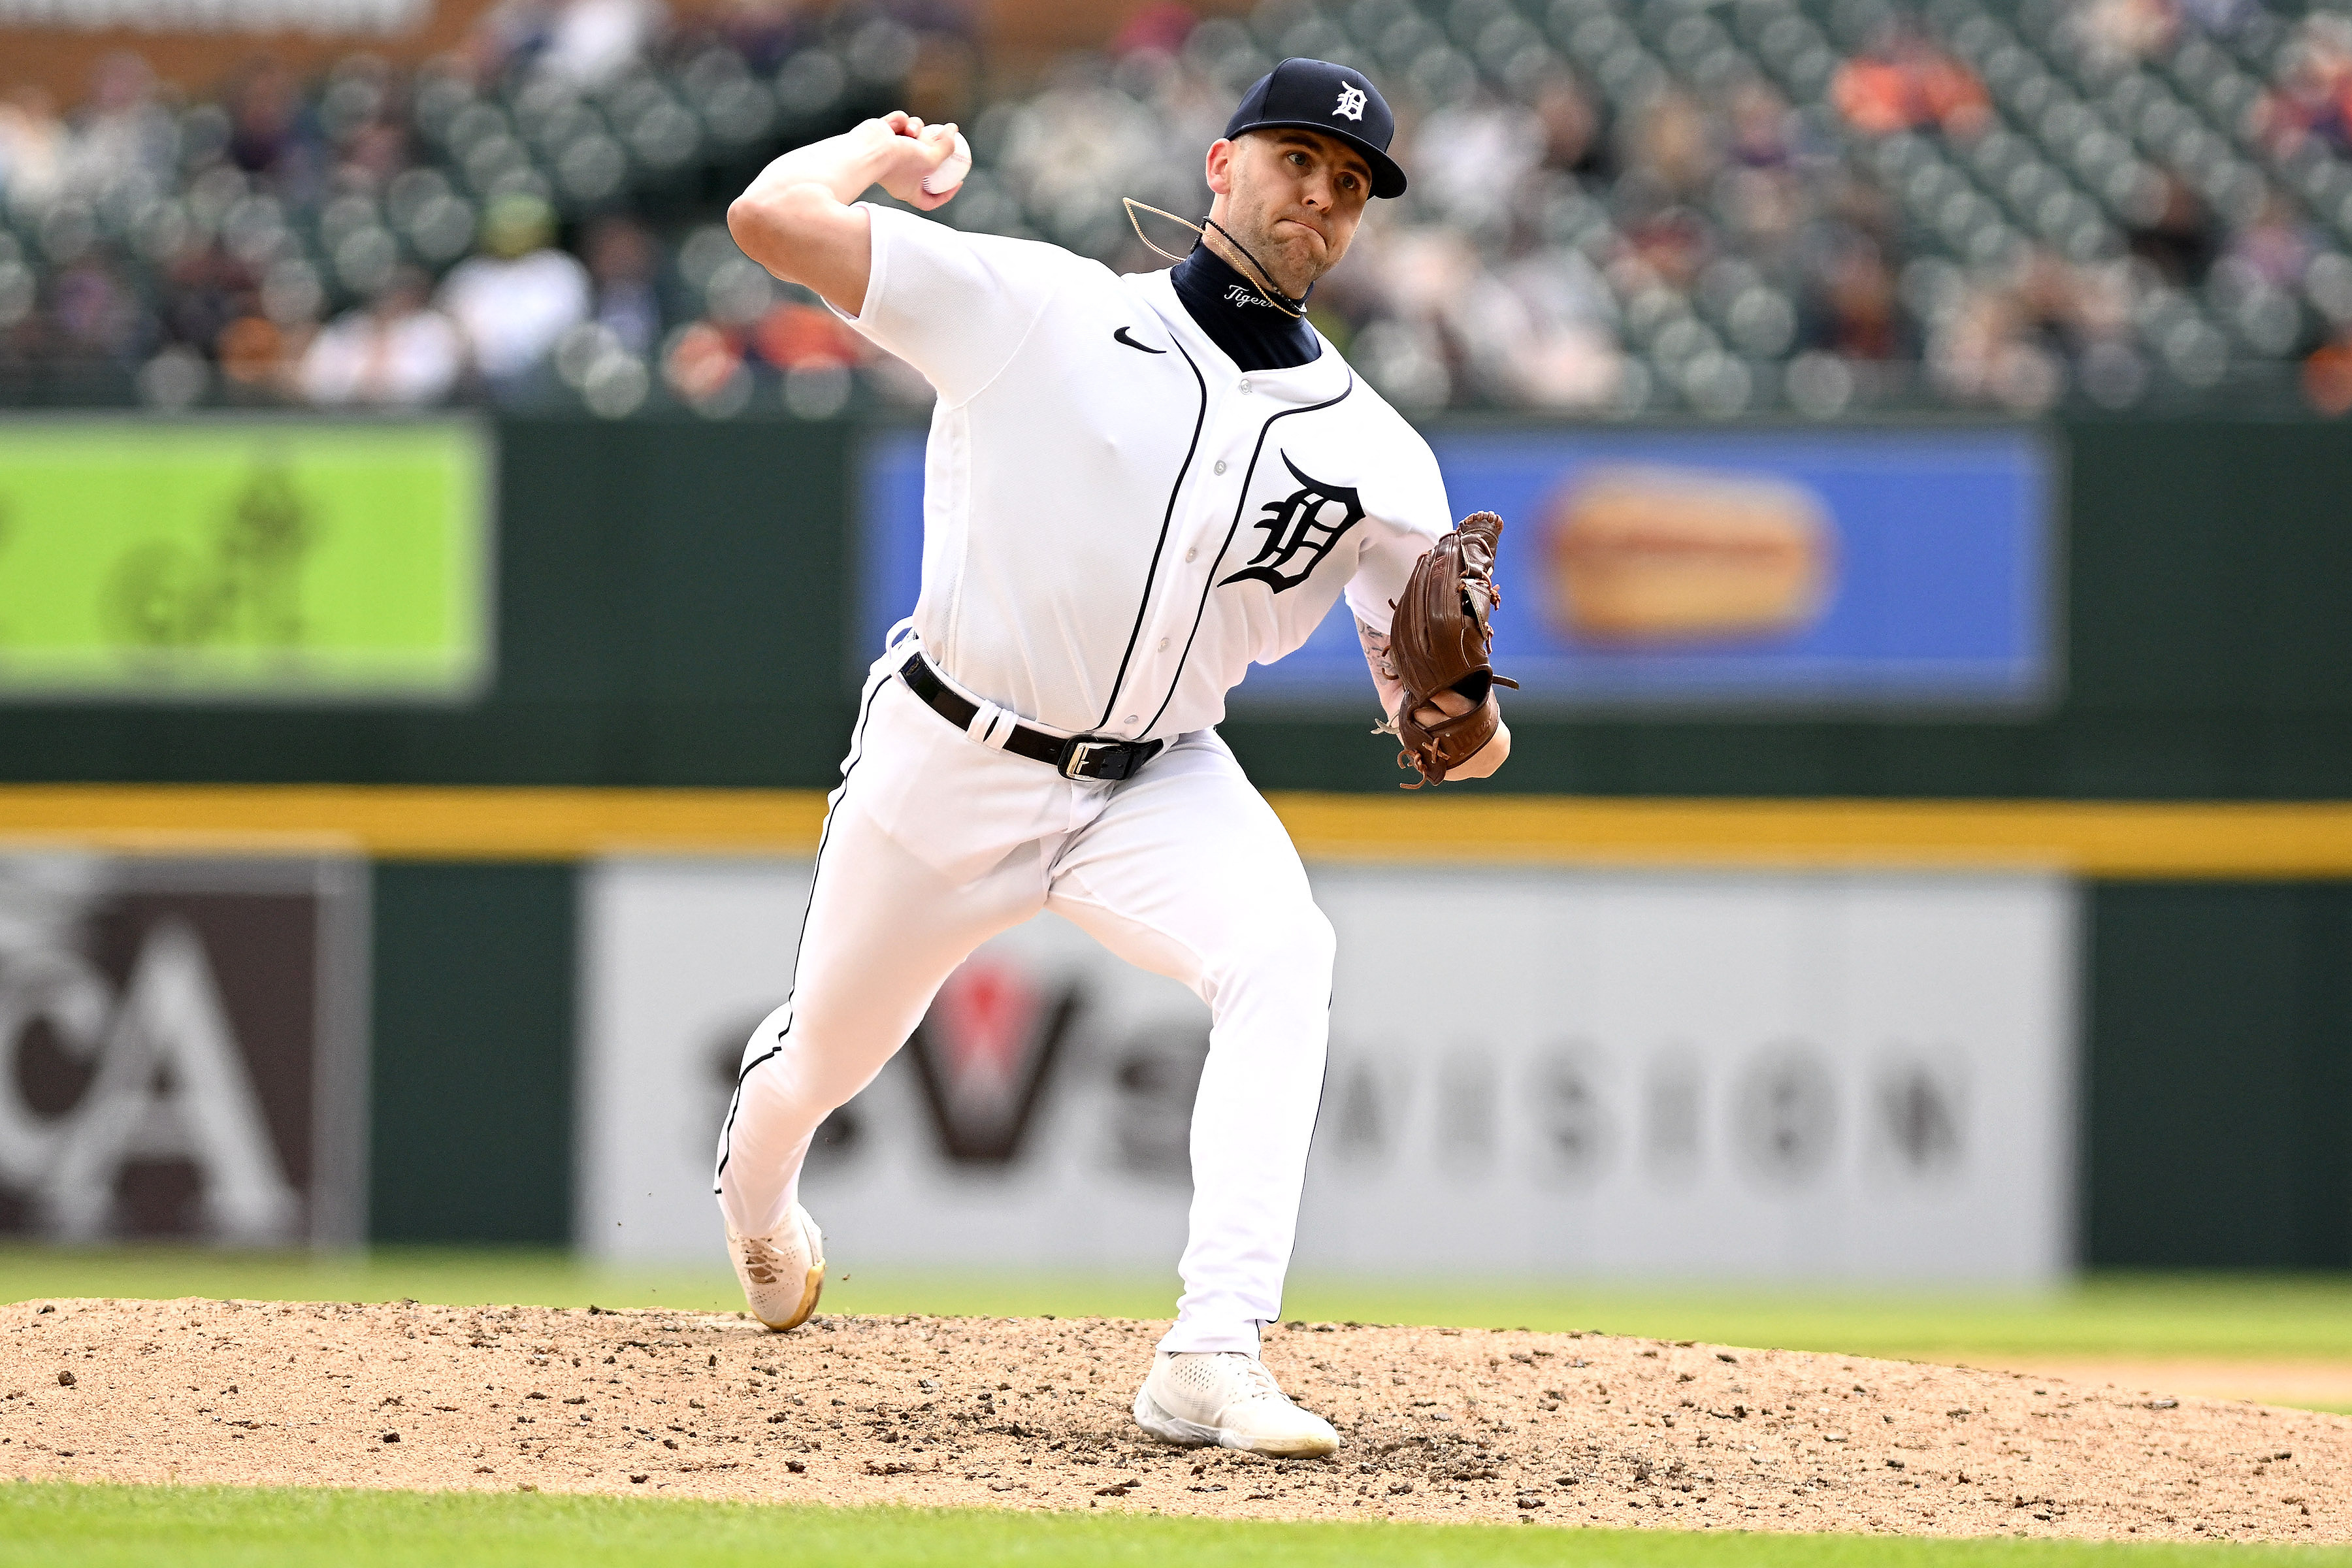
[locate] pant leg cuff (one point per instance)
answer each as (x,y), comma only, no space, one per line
(1193,1335)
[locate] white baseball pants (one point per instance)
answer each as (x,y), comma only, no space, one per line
(934,843)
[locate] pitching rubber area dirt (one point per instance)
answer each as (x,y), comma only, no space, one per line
(1436,1424)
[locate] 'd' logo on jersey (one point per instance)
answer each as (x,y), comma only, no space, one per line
(1300,530)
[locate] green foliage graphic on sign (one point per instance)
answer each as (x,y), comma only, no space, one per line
(244,560)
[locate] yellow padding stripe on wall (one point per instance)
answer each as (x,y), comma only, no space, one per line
(2310,840)
(393,822)
(2094,839)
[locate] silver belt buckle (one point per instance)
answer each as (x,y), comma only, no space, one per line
(1081,753)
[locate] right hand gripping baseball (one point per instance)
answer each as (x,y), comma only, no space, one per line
(910,150)
(1440,641)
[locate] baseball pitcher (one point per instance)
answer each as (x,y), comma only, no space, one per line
(1136,487)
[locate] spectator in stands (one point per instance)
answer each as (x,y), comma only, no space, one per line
(1469,158)
(584,42)
(942,85)
(1851,309)
(518,296)
(123,132)
(253,356)
(799,333)
(1079,146)
(507,36)
(200,289)
(2179,241)
(2327,374)
(1559,347)
(1759,126)
(1982,354)
(270,133)
(373,152)
(592,41)
(97,315)
(1852,204)
(2312,99)
(1574,140)
(2131,29)
(2051,304)
(1903,82)
(764,32)
(1542,210)
(1760,198)
(1159,25)
(1670,152)
(1415,349)
(704,366)
(1672,243)
(622,263)
(2099,332)
(394,353)
(2275,247)
(33,149)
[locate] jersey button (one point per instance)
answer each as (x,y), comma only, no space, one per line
(1190,553)
(1130,718)
(1245,386)
(1163,641)
(1220,465)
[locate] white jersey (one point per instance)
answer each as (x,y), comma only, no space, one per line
(1117,521)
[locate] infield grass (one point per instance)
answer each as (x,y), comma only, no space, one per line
(2239,1316)
(57,1525)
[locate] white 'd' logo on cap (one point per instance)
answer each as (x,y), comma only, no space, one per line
(1351,103)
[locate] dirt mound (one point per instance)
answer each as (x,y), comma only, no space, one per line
(2325,1383)
(1437,1423)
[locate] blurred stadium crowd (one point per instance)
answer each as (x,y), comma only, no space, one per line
(1617,206)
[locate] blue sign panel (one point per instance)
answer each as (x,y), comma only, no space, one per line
(890,551)
(1874,568)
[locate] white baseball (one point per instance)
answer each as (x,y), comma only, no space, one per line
(949,174)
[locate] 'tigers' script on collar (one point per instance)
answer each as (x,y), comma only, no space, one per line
(1237,318)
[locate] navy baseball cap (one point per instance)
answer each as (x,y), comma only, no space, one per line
(1316,95)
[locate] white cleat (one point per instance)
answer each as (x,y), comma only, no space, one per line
(1231,1400)
(782,1274)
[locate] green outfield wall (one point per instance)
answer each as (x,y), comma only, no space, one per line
(470,1091)
(2218,1075)
(672,609)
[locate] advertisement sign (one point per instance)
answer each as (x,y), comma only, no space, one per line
(1879,568)
(1668,1075)
(244,560)
(183,1049)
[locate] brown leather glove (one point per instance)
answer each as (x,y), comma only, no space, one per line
(1440,641)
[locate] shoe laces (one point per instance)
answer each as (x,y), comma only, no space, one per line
(762,1263)
(1256,1383)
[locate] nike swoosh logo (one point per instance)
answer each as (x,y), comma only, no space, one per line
(1121,335)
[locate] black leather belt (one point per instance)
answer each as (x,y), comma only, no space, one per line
(1075,757)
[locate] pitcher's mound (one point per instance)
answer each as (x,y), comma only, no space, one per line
(1436,1424)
